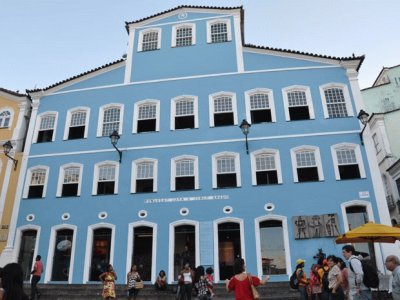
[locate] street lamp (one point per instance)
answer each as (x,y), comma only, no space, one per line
(114,140)
(245,127)
(7,146)
(364,118)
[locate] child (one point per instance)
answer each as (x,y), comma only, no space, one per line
(210,278)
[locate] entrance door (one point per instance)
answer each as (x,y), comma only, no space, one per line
(100,252)
(229,248)
(185,248)
(143,250)
(26,252)
(62,255)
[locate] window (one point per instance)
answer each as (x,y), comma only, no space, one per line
(35,185)
(184,113)
(149,39)
(298,103)
(144,176)
(5,118)
(101,252)
(377,145)
(110,119)
(184,173)
(27,251)
(222,109)
(306,163)
(77,123)
(336,101)
(106,178)
(46,130)
(61,263)
(260,106)
(266,167)
(146,116)
(219,31)
(69,181)
(357,215)
(183,35)
(226,170)
(347,161)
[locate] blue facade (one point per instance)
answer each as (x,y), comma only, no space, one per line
(200,70)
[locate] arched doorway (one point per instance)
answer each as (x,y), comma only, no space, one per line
(229,248)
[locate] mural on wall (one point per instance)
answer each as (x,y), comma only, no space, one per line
(316,226)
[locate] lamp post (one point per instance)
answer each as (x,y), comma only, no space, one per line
(364,118)
(7,146)
(245,127)
(114,140)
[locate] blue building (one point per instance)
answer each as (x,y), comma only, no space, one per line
(183,188)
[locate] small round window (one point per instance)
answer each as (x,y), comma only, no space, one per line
(102,215)
(65,216)
(30,217)
(269,207)
(228,209)
(184,211)
(142,214)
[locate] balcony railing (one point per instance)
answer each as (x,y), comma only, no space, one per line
(390,202)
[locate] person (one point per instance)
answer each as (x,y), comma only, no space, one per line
(240,282)
(161,281)
(186,277)
(315,283)
(131,278)
(392,263)
(210,277)
(357,289)
(1,285)
(301,277)
(334,279)
(36,274)
(201,283)
(108,278)
(12,281)
(323,272)
(345,277)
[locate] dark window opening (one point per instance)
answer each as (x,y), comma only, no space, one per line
(349,171)
(62,255)
(226,180)
(229,248)
(100,252)
(45,136)
(144,185)
(267,177)
(143,250)
(184,122)
(26,252)
(69,190)
(307,174)
(35,191)
(77,132)
(105,187)
(261,116)
(184,183)
(223,119)
(146,125)
(299,113)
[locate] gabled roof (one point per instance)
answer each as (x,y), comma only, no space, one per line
(17,94)
(382,72)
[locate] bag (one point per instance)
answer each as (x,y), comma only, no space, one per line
(138,285)
(325,281)
(181,281)
(371,278)
(254,292)
(293,282)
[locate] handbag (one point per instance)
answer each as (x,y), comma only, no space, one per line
(138,285)
(254,292)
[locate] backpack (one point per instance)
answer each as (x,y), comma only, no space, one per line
(325,281)
(371,278)
(293,282)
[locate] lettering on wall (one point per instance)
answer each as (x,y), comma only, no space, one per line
(187,199)
(316,226)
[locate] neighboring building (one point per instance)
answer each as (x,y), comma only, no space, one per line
(14,118)
(382,102)
(185,188)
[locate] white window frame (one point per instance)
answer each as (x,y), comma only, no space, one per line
(195,160)
(11,111)
(318,161)
(61,177)
(195,109)
(275,154)
(346,94)
(29,177)
(301,88)
(148,30)
(134,171)
(101,118)
(269,93)
(136,113)
(212,22)
(179,26)
(214,158)
(357,152)
(211,99)
(39,120)
(96,175)
(68,120)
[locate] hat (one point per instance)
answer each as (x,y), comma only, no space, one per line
(300,261)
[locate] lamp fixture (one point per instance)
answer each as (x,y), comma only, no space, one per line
(364,118)
(245,127)
(7,147)
(114,137)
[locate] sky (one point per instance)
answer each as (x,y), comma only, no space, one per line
(43,42)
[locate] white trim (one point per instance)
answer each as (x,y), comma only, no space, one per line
(344,88)
(216,245)
(195,160)
(286,244)
(145,31)
(96,175)
(51,249)
(136,113)
(211,99)
(29,177)
(357,152)
(179,26)
(302,88)
(195,110)
(214,159)
(238,42)
(318,161)
(18,237)
(39,120)
(102,108)
(134,171)
(11,117)
(226,21)
(131,230)
(89,247)
(129,57)
(271,102)
(275,154)
(68,120)
(61,178)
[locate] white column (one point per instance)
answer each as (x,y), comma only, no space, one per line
(238,43)
(129,56)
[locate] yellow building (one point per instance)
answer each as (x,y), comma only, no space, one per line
(14,118)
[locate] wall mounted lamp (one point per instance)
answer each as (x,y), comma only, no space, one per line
(364,118)
(245,127)
(114,140)
(7,146)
